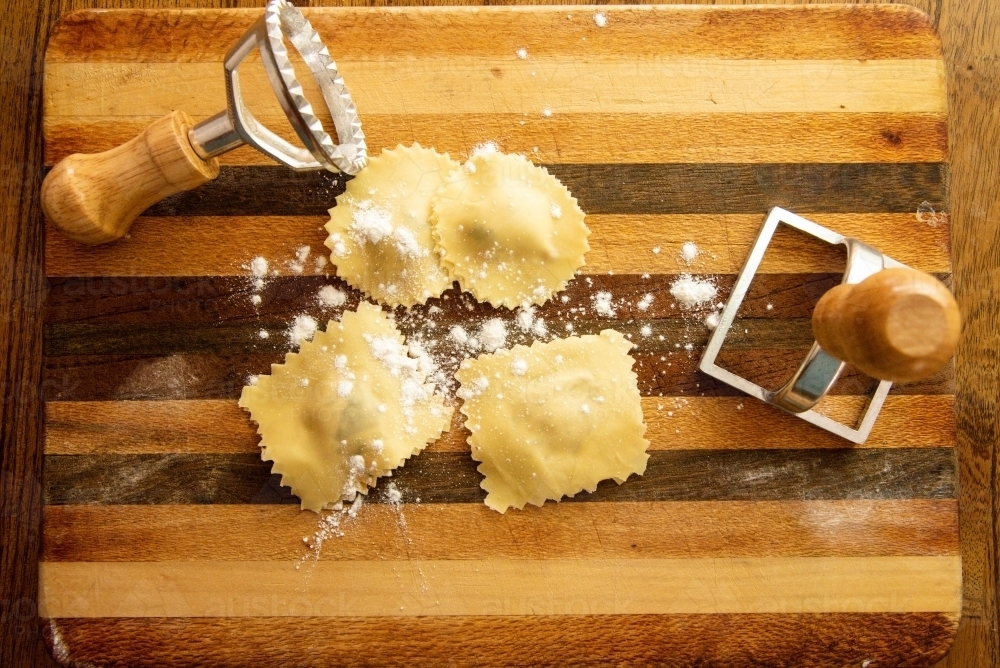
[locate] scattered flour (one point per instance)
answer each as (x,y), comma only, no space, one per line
(646,331)
(644,303)
(546,112)
(522,53)
(301,329)
(298,265)
(602,304)
(712,320)
(692,292)
(556,211)
(600,19)
(493,335)
(258,267)
(689,252)
(331,297)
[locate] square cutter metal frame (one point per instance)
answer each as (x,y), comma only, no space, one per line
(862,262)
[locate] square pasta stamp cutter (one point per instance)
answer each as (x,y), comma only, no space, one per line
(892,322)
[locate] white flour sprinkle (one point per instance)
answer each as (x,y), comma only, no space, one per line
(525,318)
(646,331)
(406,243)
(484,150)
(263,334)
(600,19)
(522,53)
(320,263)
(644,303)
(331,297)
(556,211)
(519,367)
(339,248)
(493,335)
(370,223)
(546,112)
(689,252)
(459,335)
(258,267)
(538,328)
(656,250)
(692,292)
(344,388)
(392,494)
(255,300)
(712,320)
(602,304)
(302,329)
(298,265)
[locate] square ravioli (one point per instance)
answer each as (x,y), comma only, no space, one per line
(553,419)
(349,407)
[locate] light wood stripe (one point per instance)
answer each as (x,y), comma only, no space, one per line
(470,85)
(500,587)
(220,246)
(472,531)
(580,138)
(220,426)
(368,33)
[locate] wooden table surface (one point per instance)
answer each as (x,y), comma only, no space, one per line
(970,31)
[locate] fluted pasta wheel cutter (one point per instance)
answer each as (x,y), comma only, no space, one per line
(95,198)
(892,322)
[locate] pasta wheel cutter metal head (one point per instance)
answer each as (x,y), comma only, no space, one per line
(892,322)
(95,198)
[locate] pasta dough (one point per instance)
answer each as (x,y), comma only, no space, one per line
(380,237)
(349,407)
(554,419)
(508,231)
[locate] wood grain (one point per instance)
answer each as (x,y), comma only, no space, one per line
(622,243)
(421,588)
(219,426)
(924,655)
(209,376)
(564,84)
(469,531)
(887,33)
(451,477)
(763,640)
(724,640)
(766,138)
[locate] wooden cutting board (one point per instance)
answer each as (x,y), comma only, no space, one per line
(752,539)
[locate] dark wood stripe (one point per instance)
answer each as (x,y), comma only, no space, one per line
(221,339)
(208,376)
(732,640)
(451,477)
(213,299)
(615,189)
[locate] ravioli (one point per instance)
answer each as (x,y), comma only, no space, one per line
(553,419)
(508,231)
(380,237)
(349,407)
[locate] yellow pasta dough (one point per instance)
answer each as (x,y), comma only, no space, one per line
(553,419)
(380,237)
(508,231)
(349,407)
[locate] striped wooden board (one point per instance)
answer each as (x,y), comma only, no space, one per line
(752,539)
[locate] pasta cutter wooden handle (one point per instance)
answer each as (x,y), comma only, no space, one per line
(898,324)
(94,198)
